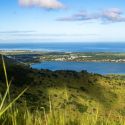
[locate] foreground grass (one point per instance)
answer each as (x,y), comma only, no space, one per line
(11,114)
(56,117)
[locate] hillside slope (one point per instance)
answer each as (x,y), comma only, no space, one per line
(83,92)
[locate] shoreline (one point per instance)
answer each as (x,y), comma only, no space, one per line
(31,56)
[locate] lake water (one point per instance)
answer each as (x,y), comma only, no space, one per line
(66,47)
(94,67)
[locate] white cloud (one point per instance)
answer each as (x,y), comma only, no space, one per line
(113,14)
(108,15)
(47,4)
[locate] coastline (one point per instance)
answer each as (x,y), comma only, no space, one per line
(31,56)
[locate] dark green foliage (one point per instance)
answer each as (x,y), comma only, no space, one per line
(83,89)
(81,108)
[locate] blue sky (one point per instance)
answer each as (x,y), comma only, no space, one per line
(62,20)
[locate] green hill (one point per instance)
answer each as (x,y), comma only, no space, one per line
(81,92)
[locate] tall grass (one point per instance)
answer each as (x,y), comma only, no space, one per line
(10,114)
(4,106)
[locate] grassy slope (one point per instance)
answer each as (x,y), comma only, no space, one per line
(82,92)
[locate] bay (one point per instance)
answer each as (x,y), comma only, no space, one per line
(94,67)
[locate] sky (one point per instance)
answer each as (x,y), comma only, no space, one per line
(62,21)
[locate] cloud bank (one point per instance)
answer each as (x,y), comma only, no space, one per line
(47,4)
(16,32)
(108,15)
(27,35)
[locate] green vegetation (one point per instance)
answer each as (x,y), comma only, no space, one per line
(28,57)
(59,97)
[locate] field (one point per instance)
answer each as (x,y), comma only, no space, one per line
(44,97)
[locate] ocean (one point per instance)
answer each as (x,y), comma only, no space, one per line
(66,47)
